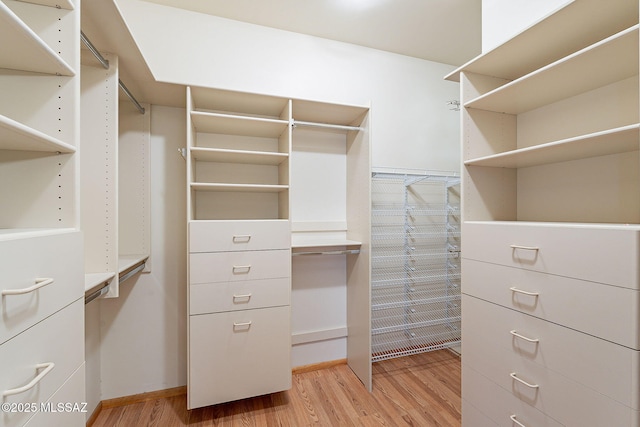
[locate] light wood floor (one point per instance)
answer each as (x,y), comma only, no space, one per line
(421,390)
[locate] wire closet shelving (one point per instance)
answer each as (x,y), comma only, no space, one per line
(415,248)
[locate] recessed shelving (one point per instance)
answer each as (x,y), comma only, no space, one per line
(251,188)
(614,141)
(229,124)
(608,61)
(26,51)
(16,136)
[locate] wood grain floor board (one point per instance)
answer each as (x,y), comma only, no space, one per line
(420,391)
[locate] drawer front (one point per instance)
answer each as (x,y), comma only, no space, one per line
(484,403)
(61,410)
(238,354)
(608,312)
(36,280)
(606,254)
(222,236)
(598,364)
(51,350)
(231,296)
(566,401)
(238,266)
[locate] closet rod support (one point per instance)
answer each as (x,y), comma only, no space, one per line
(97,293)
(345,252)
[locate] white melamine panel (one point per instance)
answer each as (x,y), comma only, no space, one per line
(555,298)
(486,404)
(28,262)
(599,253)
(238,354)
(563,399)
(546,40)
(63,4)
(596,363)
(607,61)
(57,340)
(232,296)
(228,124)
(246,203)
(238,102)
(238,156)
(67,407)
(239,266)
(27,50)
(219,236)
(16,136)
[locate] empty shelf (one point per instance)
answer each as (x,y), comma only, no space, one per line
(249,188)
(228,124)
(16,136)
(238,156)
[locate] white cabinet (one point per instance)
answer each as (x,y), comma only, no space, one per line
(241,201)
(41,312)
(551,220)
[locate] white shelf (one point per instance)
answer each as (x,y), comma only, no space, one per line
(249,188)
(94,280)
(596,225)
(24,50)
(228,124)
(614,141)
(546,40)
(61,4)
(319,242)
(328,114)
(127,262)
(608,61)
(16,136)
(238,156)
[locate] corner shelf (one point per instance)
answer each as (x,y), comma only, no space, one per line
(27,51)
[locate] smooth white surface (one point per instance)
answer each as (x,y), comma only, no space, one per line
(218,236)
(238,266)
(16,136)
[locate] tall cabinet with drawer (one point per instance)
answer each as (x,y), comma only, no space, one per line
(551,219)
(239,169)
(41,322)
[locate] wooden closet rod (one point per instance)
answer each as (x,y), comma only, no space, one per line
(105,64)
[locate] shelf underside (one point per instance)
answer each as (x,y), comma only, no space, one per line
(609,61)
(22,49)
(16,136)
(619,140)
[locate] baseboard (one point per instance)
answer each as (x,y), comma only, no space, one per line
(318,366)
(94,416)
(143,397)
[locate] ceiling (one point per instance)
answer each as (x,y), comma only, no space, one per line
(445,31)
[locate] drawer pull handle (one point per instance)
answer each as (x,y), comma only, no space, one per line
(243,296)
(526,248)
(515,420)
(40,283)
(515,377)
(520,291)
(242,324)
(241,238)
(47,368)
(516,334)
(241,269)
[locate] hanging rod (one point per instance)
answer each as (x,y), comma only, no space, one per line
(98,293)
(105,64)
(345,252)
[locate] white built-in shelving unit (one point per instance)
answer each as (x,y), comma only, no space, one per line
(244,194)
(41,339)
(551,219)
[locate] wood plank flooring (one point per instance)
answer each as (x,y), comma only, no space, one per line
(421,390)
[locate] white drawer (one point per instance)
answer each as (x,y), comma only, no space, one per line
(598,364)
(230,296)
(27,262)
(221,236)
(239,266)
(66,408)
(608,312)
(484,403)
(560,398)
(254,359)
(57,340)
(605,254)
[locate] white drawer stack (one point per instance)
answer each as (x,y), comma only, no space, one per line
(42,328)
(239,310)
(550,324)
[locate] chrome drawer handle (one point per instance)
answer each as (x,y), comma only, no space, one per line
(516,334)
(526,248)
(241,269)
(241,238)
(515,377)
(513,418)
(47,368)
(520,291)
(40,283)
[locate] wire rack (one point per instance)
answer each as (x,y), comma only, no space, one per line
(415,235)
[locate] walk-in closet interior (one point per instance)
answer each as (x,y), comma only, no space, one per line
(207,199)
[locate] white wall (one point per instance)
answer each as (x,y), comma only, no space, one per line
(503,19)
(412,126)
